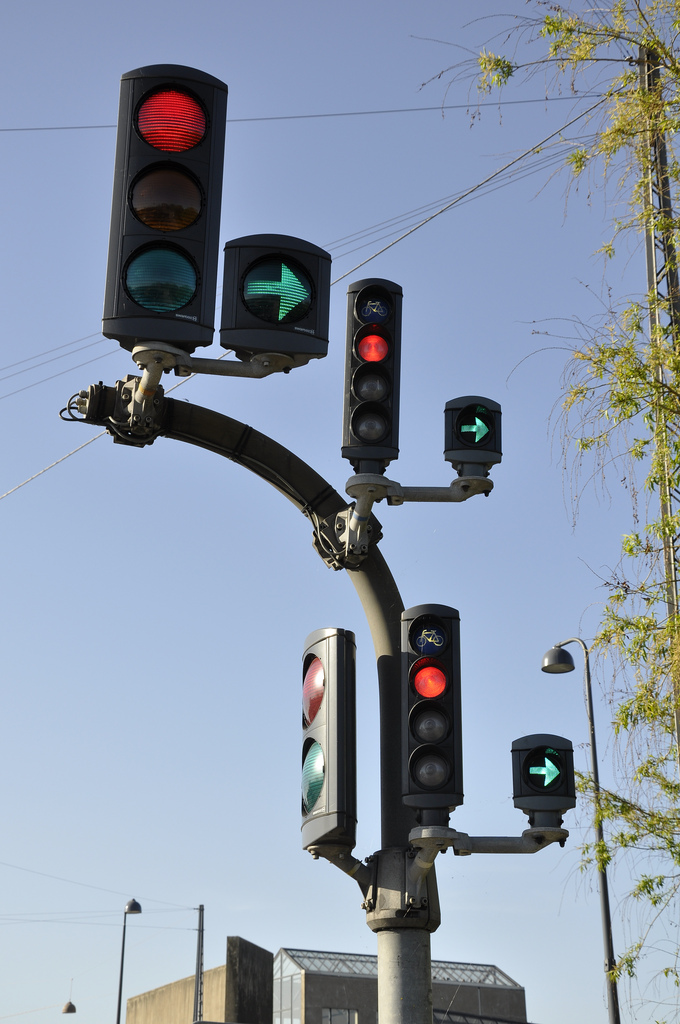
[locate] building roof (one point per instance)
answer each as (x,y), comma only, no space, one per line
(363,965)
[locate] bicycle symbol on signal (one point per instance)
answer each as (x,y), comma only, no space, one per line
(374,308)
(430,636)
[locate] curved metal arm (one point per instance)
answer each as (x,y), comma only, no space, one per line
(317,500)
(373,581)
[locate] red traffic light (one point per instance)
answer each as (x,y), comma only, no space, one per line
(432,759)
(370,423)
(313,686)
(429,678)
(171,120)
(372,348)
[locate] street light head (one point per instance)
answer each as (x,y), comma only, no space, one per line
(133,907)
(69,1007)
(557,660)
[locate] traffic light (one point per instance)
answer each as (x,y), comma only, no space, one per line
(432,748)
(276,297)
(543,778)
(472,435)
(164,243)
(329,785)
(370,429)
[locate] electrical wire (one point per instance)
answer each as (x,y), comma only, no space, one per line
(64,355)
(459,198)
(48,352)
(67,456)
(23,1013)
(87,885)
(550,160)
(342,113)
(553,160)
(55,375)
(473,189)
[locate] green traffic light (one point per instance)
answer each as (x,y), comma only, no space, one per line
(276,291)
(543,768)
(475,425)
(313,771)
(549,771)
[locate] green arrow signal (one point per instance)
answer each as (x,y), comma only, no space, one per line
(478,428)
(290,289)
(549,771)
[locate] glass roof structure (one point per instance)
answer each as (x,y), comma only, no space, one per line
(452,1017)
(363,965)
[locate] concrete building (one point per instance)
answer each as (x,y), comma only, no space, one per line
(307,987)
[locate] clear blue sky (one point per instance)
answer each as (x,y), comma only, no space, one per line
(155,602)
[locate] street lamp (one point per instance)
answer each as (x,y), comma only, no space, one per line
(556,661)
(131,907)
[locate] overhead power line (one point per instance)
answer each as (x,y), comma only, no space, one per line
(457,199)
(474,188)
(340,113)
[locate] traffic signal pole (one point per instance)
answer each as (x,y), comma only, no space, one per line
(398,882)
(397,871)
(159,305)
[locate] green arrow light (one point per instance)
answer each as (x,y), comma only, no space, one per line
(290,289)
(478,428)
(548,770)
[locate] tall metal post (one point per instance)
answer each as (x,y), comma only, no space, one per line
(120,975)
(664,296)
(131,907)
(404,965)
(399,880)
(556,665)
(198,984)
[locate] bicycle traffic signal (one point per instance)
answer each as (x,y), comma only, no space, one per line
(329,785)
(543,778)
(276,297)
(432,769)
(163,248)
(472,435)
(370,429)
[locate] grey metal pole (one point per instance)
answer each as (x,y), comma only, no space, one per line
(404,965)
(198,982)
(131,907)
(404,976)
(609,959)
(405,948)
(120,977)
(664,290)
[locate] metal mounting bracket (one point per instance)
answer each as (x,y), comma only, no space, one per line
(261,365)
(365,487)
(338,541)
(354,533)
(352,526)
(438,838)
(403,891)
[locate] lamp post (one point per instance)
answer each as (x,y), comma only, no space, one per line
(131,907)
(556,661)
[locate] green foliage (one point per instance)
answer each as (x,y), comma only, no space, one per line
(622,402)
(496,71)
